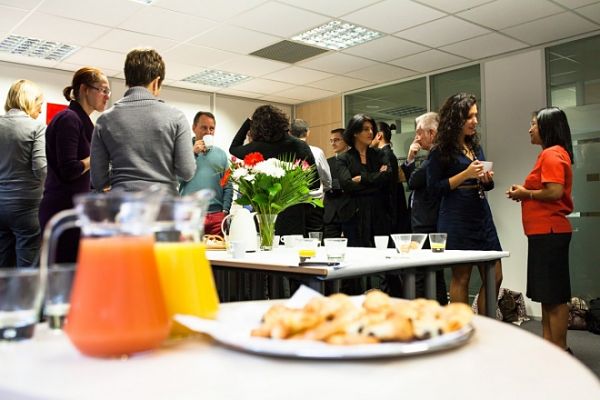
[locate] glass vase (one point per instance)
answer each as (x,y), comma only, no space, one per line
(266,230)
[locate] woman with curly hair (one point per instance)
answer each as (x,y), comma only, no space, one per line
(456,174)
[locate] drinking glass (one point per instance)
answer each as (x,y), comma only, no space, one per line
(316,235)
(335,249)
(57,304)
(20,299)
(381,242)
(402,242)
(437,242)
(307,247)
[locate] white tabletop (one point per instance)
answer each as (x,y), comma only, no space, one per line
(500,362)
(362,260)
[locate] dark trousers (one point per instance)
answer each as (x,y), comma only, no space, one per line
(19,233)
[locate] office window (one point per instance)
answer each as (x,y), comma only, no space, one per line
(448,83)
(573,84)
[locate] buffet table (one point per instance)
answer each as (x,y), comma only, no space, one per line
(361,261)
(501,361)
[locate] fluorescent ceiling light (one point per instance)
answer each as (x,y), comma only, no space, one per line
(144,1)
(213,77)
(37,48)
(337,35)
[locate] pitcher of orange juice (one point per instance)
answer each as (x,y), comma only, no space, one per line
(117,305)
(185,274)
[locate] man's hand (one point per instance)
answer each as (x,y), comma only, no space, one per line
(414,148)
(199,146)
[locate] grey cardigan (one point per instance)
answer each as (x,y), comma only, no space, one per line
(22,156)
(141,141)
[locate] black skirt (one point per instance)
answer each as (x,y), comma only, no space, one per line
(548,279)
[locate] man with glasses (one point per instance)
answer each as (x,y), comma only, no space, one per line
(141,141)
(336,204)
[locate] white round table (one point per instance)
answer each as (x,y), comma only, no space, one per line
(501,361)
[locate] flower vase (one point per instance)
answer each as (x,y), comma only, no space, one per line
(266,230)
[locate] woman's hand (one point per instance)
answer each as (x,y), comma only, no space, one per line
(487,177)
(474,170)
(356,179)
(517,193)
(383,168)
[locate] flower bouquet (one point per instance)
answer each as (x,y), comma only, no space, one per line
(270,186)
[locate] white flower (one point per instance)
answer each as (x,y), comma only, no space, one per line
(239,172)
(270,167)
(249,177)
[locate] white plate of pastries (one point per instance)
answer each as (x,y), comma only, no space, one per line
(340,327)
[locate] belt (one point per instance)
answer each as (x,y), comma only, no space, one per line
(468,187)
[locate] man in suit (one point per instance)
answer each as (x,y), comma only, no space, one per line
(336,203)
(424,205)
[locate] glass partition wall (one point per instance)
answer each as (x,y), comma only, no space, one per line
(573,84)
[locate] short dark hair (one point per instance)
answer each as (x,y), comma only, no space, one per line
(355,125)
(203,113)
(269,124)
(387,132)
(554,129)
(338,130)
(142,66)
(299,128)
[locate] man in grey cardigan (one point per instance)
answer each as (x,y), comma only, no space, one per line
(141,141)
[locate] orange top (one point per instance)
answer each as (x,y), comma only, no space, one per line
(552,166)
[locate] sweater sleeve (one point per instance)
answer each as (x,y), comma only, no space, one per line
(99,160)
(437,184)
(38,153)
(70,130)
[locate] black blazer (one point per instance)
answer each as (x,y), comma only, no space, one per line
(337,203)
(425,205)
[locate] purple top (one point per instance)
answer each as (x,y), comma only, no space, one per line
(68,138)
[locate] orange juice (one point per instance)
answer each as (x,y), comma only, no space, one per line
(117,305)
(187,280)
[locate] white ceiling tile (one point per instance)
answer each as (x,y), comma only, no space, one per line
(214,10)
(393,15)
(385,49)
(381,73)
(193,86)
(563,25)
(454,5)
(263,86)
(575,3)
(239,93)
(592,12)
(251,65)
(49,27)
(332,8)
(340,84)
(9,17)
(504,13)
(484,46)
(196,55)
(22,4)
(278,19)
(237,40)
(178,71)
(74,67)
(442,31)
(98,58)
(428,61)
(105,12)
(123,41)
(297,75)
(279,99)
(336,63)
(165,23)
(305,93)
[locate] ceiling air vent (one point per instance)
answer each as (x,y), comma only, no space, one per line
(289,52)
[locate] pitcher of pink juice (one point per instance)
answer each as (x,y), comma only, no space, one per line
(185,273)
(117,305)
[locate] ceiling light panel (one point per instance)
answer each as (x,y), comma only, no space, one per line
(37,48)
(337,35)
(143,1)
(216,78)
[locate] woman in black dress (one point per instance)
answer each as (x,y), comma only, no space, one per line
(455,173)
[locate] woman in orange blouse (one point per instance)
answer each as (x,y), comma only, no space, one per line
(546,201)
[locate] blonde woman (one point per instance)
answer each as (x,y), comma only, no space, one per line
(68,140)
(22,173)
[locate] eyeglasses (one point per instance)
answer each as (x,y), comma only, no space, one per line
(335,140)
(104,91)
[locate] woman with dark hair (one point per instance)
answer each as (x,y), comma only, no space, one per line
(364,172)
(22,173)
(545,202)
(68,139)
(456,174)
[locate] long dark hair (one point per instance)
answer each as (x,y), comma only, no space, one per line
(554,129)
(453,115)
(355,125)
(269,124)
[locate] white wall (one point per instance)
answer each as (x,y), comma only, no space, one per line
(514,87)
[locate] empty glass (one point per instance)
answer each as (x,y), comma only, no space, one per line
(57,304)
(335,249)
(20,300)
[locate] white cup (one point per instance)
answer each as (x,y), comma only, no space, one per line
(487,165)
(290,240)
(237,248)
(209,141)
(381,242)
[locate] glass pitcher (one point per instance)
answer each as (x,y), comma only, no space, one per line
(117,305)
(185,274)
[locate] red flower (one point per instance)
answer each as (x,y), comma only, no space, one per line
(253,158)
(225,177)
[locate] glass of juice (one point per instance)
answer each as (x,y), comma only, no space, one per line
(185,273)
(116,306)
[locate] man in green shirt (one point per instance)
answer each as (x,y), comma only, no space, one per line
(211,163)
